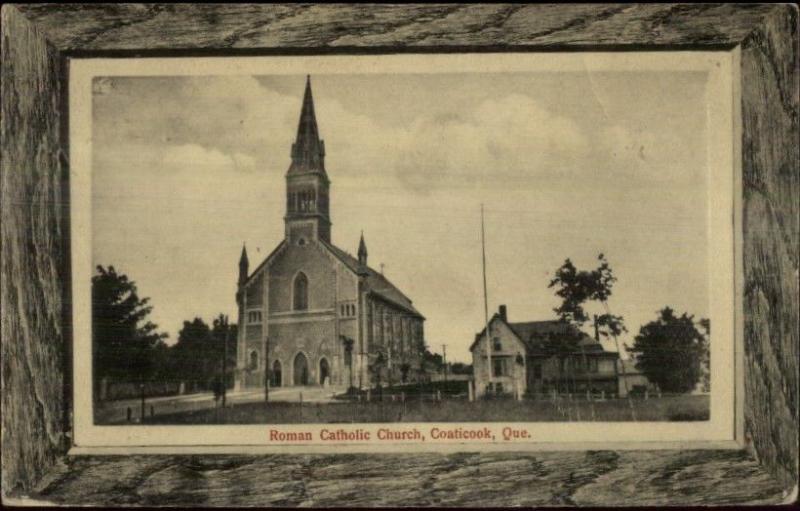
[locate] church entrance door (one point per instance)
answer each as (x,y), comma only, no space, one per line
(276,379)
(324,372)
(300,370)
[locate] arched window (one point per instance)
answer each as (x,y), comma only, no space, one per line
(254,360)
(300,292)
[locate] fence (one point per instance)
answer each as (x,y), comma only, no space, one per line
(116,390)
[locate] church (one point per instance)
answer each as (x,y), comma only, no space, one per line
(311,313)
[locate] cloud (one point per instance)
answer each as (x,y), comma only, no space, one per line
(512,137)
(195,158)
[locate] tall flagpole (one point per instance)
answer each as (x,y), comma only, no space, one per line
(486,303)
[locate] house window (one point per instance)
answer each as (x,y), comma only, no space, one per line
(254,317)
(300,292)
(497,345)
(499,367)
(592,365)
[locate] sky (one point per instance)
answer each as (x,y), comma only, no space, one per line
(567,165)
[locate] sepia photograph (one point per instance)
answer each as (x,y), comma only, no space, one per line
(456,247)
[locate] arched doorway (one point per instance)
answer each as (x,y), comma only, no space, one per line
(276,377)
(300,370)
(324,371)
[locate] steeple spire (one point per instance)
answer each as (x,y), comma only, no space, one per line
(244,264)
(308,151)
(362,251)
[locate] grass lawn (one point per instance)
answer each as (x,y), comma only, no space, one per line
(665,408)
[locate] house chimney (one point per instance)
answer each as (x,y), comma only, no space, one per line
(502,312)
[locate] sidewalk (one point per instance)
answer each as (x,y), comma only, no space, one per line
(116,412)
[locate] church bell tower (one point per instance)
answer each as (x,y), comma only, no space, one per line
(307,185)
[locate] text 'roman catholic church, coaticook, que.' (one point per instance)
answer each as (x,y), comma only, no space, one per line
(310,312)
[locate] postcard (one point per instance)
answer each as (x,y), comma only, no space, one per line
(405,252)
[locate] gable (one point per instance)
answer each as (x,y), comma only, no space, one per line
(499,328)
(263,264)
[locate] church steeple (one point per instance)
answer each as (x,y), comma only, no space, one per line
(362,251)
(307,184)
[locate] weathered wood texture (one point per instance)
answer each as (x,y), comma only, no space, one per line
(460,480)
(35,269)
(771,182)
(217,26)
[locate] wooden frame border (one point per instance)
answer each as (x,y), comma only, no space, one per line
(37,42)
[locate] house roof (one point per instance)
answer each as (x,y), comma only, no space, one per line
(533,333)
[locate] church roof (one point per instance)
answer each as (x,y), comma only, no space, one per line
(308,151)
(376,282)
(265,261)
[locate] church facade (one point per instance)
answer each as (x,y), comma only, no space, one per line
(311,313)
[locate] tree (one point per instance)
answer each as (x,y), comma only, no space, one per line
(461,368)
(126,345)
(705,324)
(192,353)
(670,350)
(576,288)
(433,360)
(223,332)
(198,355)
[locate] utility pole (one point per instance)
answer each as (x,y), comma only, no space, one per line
(225,362)
(444,360)
(486,305)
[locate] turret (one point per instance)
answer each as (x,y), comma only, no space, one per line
(362,251)
(243,266)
